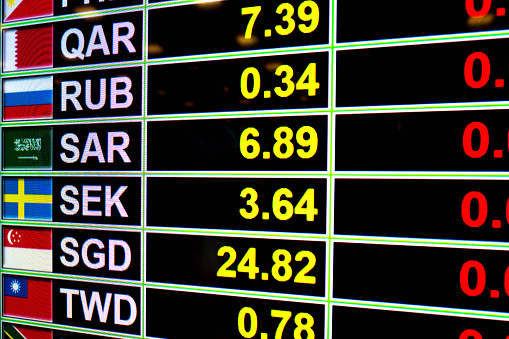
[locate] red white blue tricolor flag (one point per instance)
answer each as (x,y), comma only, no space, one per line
(15,10)
(28,98)
(28,48)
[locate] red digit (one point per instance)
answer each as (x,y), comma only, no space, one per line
(485,70)
(470,333)
(467,140)
(506,281)
(507,210)
(481,278)
(466,206)
(469,5)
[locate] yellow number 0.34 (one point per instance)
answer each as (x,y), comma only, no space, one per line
(250,81)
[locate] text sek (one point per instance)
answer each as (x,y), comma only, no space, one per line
(104,200)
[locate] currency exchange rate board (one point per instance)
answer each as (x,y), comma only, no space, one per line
(259,169)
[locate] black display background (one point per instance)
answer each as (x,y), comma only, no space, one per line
(214,145)
(348,322)
(213,86)
(82,131)
(418,208)
(417,275)
(131,200)
(133,239)
(432,73)
(220,27)
(214,203)
(134,73)
(218,315)
(74,6)
(367,20)
(424,141)
(193,260)
(86,25)
(62,334)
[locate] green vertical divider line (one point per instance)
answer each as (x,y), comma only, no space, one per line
(144,94)
(332,35)
(1,177)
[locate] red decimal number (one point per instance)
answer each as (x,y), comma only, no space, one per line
(473,266)
(478,198)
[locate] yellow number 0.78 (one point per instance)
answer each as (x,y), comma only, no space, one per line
(248,312)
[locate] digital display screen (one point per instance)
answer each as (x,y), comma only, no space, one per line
(254,169)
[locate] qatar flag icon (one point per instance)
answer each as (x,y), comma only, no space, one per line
(28,48)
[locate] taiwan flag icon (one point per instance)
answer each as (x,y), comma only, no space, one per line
(28,48)
(27,297)
(15,10)
(16,331)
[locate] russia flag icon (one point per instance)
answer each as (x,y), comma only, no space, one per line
(28,48)
(28,98)
(15,10)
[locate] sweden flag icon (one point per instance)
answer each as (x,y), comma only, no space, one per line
(27,198)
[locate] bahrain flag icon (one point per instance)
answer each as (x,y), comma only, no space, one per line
(28,48)
(15,10)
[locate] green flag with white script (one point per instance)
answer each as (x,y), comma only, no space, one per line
(27,148)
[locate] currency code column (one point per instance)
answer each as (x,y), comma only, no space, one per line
(237,184)
(420,152)
(71,169)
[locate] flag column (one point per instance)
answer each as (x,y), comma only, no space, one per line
(70,169)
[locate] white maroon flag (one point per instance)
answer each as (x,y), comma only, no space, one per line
(27,47)
(26,9)
(27,248)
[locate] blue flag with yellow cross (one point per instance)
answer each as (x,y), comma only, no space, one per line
(27,198)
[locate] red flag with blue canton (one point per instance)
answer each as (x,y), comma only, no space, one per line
(27,297)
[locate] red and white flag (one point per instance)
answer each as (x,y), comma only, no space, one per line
(26,9)
(27,248)
(27,48)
